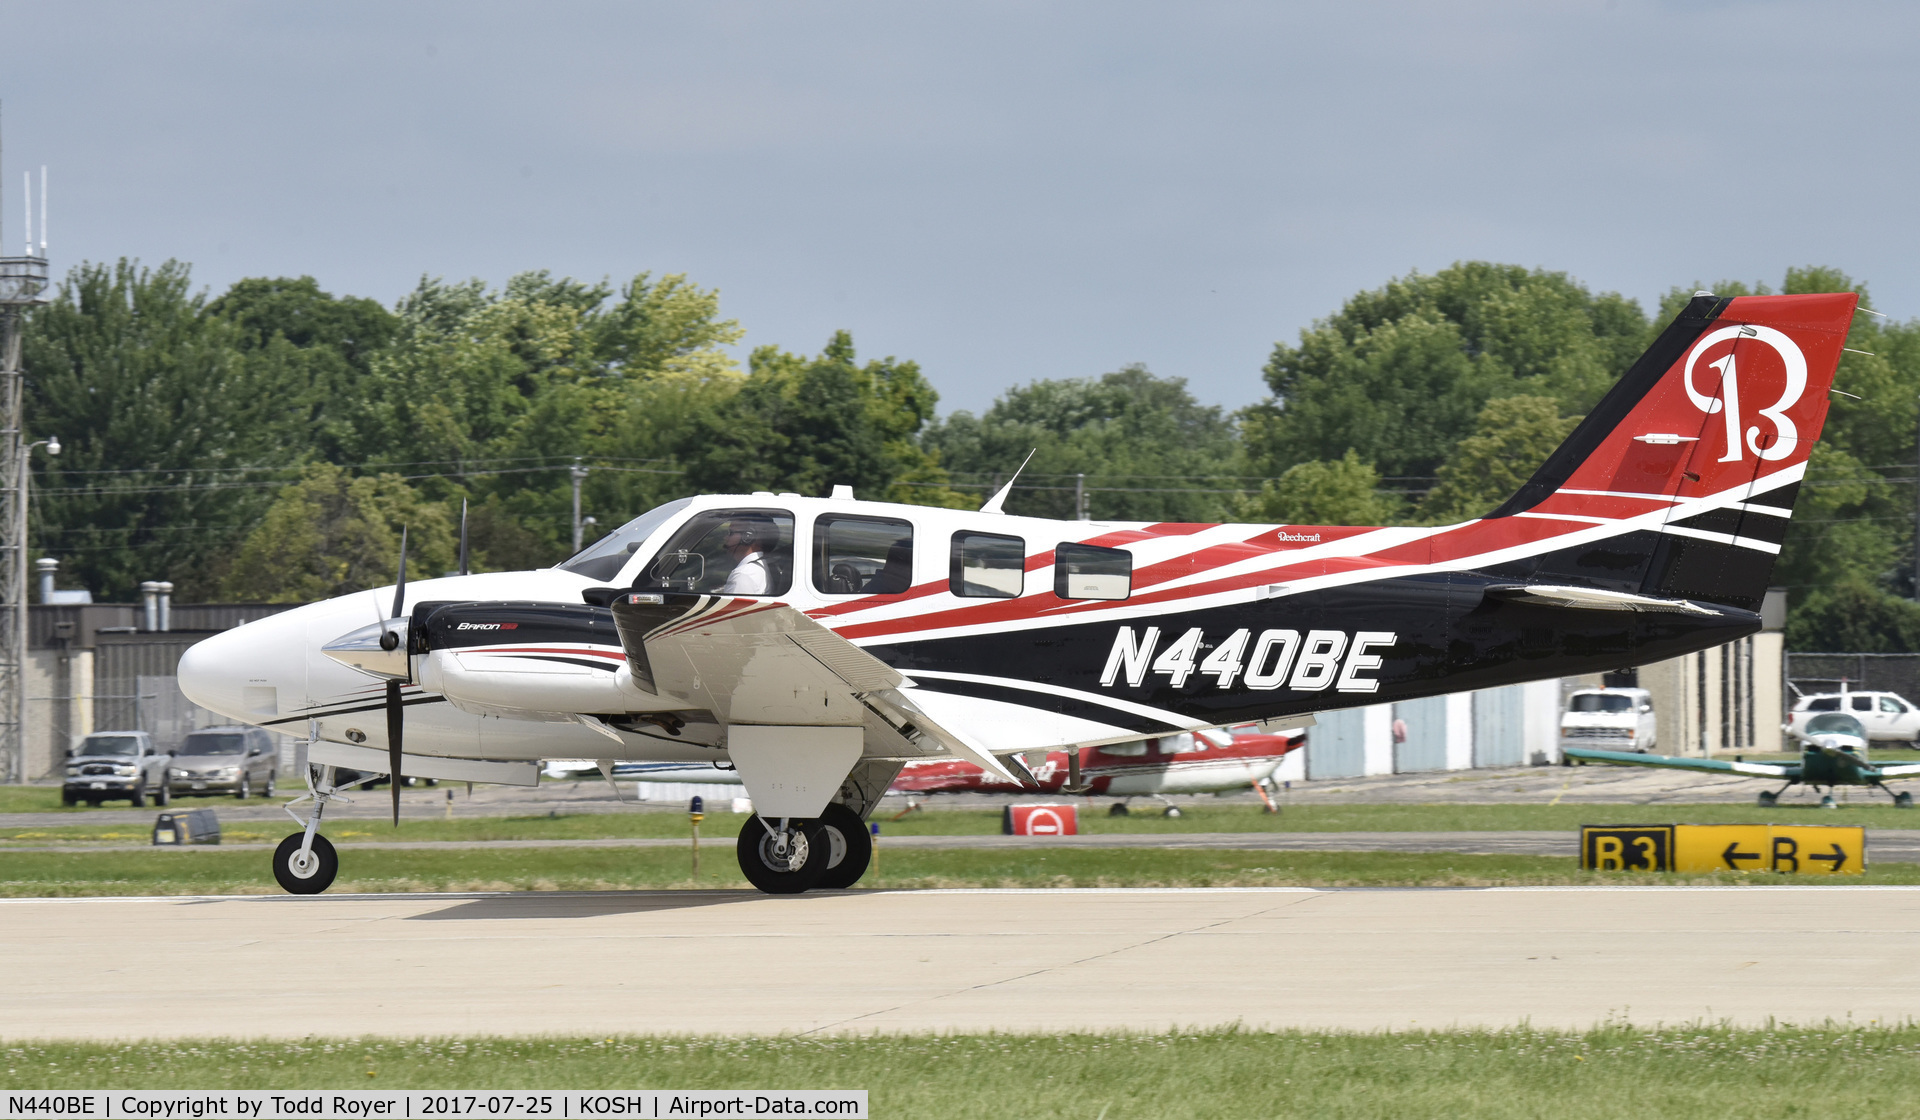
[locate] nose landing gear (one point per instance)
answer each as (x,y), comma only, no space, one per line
(305,862)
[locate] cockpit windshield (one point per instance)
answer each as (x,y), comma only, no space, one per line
(1835,723)
(604,558)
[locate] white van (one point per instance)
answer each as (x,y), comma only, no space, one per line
(1609,719)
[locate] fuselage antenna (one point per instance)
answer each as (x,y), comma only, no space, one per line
(1000,497)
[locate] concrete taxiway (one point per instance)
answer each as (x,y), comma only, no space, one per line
(875,961)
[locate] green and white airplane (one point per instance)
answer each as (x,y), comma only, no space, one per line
(1835,755)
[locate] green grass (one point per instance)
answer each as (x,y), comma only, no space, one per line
(1697,1072)
(213,871)
(721,828)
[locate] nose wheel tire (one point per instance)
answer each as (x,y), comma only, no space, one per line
(849,848)
(311,876)
(794,870)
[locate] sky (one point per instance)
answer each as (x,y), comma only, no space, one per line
(1001,192)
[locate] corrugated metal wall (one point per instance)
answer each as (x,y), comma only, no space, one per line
(1423,746)
(1499,726)
(1337,745)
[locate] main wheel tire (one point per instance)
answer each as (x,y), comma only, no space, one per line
(1768,800)
(1903,800)
(1118,809)
(849,848)
(800,871)
(1171,811)
(246,787)
(138,799)
(315,875)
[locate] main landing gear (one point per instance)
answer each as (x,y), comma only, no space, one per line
(305,862)
(790,855)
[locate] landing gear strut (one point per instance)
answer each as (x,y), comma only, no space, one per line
(305,862)
(785,857)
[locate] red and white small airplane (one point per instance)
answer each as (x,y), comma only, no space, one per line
(819,645)
(1190,762)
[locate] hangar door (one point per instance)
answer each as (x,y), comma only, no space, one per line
(1420,735)
(1337,745)
(1499,728)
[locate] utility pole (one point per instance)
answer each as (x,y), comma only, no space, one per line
(1080,510)
(1916,507)
(23,282)
(579,474)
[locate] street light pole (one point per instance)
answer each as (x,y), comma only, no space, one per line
(17,764)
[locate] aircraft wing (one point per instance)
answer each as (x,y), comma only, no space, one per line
(1899,770)
(755,662)
(1781,770)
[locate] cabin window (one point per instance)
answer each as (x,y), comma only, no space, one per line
(1124,750)
(987,566)
(1083,571)
(727,552)
(1184,743)
(862,556)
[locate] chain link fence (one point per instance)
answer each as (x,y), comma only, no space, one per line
(1861,672)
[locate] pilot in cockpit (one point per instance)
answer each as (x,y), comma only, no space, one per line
(748,541)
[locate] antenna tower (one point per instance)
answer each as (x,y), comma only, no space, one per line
(23,283)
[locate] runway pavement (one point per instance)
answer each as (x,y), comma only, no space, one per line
(873,961)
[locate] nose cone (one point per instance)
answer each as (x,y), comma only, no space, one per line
(378,650)
(213,673)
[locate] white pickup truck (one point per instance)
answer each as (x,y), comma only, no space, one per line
(1609,719)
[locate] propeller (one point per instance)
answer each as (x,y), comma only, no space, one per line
(396,718)
(463,536)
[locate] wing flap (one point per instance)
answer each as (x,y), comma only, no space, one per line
(1594,599)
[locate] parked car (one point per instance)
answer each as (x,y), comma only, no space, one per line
(1888,717)
(242,761)
(114,766)
(1609,719)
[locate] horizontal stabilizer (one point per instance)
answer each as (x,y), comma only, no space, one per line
(1593,599)
(1711,765)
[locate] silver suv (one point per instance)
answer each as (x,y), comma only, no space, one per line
(115,765)
(242,761)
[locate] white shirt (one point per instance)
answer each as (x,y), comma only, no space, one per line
(749,577)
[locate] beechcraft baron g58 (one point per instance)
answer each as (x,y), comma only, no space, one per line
(819,644)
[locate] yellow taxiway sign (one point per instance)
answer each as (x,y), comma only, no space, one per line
(1788,849)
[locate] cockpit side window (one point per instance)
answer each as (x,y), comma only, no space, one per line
(727,552)
(862,556)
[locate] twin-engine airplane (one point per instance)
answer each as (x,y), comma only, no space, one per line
(818,645)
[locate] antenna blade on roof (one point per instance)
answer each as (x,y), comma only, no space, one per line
(999,499)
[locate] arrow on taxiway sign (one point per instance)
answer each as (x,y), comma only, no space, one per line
(1838,858)
(1733,853)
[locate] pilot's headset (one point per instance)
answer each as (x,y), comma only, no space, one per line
(754,531)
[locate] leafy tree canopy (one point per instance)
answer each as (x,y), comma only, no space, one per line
(1512,437)
(1343,491)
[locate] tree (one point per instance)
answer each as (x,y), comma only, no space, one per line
(1149,451)
(1512,437)
(1401,373)
(1854,616)
(331,533)
(1343,491)
(807,424)
(168,431)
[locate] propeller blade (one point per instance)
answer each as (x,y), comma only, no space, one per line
(396,715)
(396,721)
(400,586)
(463,536)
